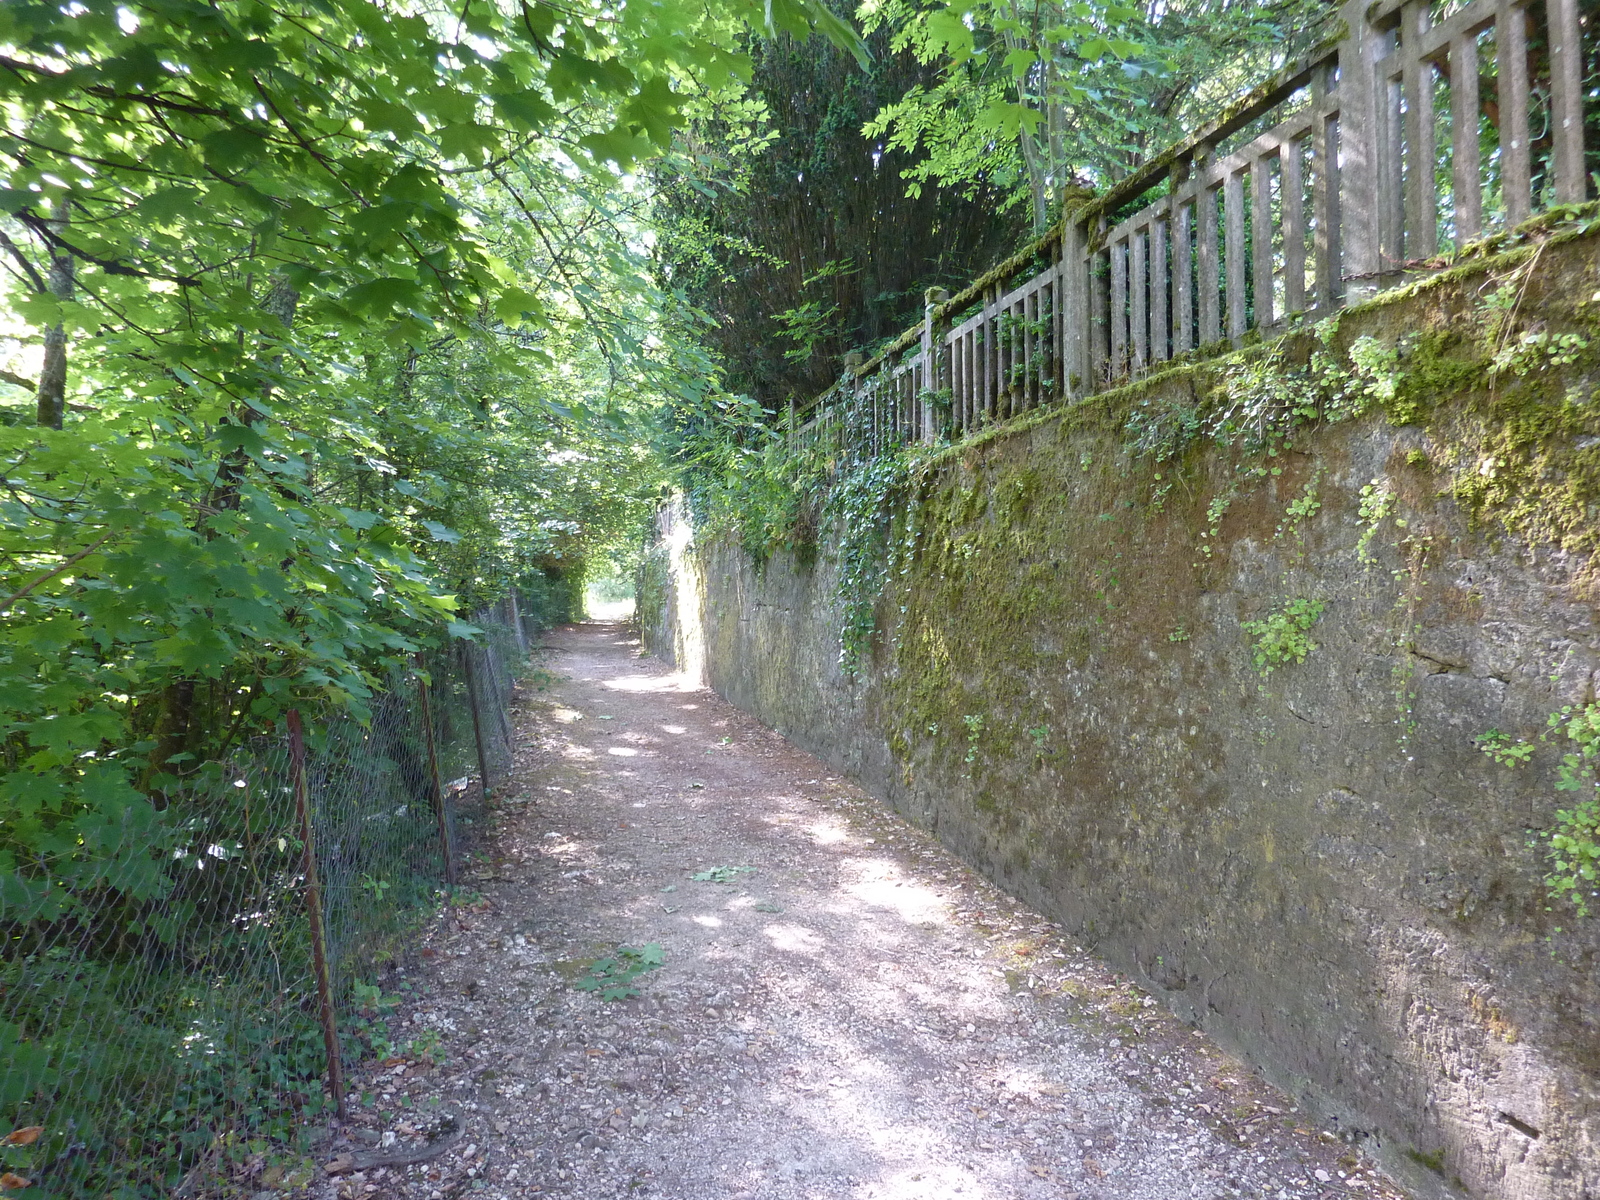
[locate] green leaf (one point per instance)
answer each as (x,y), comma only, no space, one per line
(380,297)
(229,150)
(527,109)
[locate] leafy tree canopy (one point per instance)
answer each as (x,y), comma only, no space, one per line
(326,323)
(1032,96)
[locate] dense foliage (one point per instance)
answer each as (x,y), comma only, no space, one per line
(793,228)
(1033,96)
(327,323)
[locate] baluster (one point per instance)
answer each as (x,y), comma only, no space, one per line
(1210,280)
(1018,373)
(991,354)
(1022,359)
(1183,275)
(1074,318)
(1261,236)
(953,349)
(1421,158)
(870,424)
(1355,159)
(1390,197)
(911,425)
(1291,202)
(980,369)
(1005,330)
(1045,340)
(914,380)
(1511,62)
(1325,258)
(1019,356)
(1036,344)
(1233,251)
(1466,169)
(1566,101)
(1138,311)
(974,374)
(894,402)
(1013,373)
(957,387)
(1421,154)
(1119,309)
(964,411)
(1060,364)
(916,384)
(883,394)
(1099,314)
(974,370)
(1159,295)
(1002,357)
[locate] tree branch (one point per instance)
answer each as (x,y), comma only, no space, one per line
(56,570)
(16,253)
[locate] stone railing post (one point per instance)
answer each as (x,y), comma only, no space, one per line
(1072,295)
(1360,173)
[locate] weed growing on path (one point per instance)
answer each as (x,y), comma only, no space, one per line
(613,977)
(721,874)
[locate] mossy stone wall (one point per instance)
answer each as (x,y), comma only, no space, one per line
(1318,865)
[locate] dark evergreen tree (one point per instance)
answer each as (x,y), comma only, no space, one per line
(809,247)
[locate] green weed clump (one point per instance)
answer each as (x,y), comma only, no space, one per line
(1284,635)
(613,976)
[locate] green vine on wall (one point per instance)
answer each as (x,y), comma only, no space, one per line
(1572,845)
(862,504)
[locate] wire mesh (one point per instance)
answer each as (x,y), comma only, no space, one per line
(170,1027)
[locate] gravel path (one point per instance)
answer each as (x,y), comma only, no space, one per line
(844,1009)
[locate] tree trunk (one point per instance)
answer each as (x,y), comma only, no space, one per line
(173,732)
(1038,187)
(281,301)
(52,397)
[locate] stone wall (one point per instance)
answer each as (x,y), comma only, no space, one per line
(1318,865)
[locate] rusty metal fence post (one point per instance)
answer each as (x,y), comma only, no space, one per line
(319,934)
(477,723)
(446,843)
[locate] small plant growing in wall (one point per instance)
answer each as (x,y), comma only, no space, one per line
(1284,635)
(974,724)
(1539,351)
(1573,846)
(1039,735)
(1377,505)
(1504,749)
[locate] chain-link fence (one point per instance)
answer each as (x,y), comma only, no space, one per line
(162,1029)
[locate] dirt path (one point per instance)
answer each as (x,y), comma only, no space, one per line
(849,1013)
